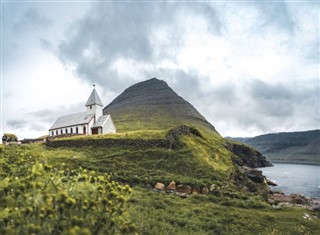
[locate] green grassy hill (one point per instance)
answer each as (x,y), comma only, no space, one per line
(228,209)
(289,147)
(153,105)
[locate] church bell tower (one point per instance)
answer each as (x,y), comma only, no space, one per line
(94,104)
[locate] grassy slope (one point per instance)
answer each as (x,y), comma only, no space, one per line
(146,117)
(158,213)
(197,161)
(225,211)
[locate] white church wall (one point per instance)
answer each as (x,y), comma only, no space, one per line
(109,126)
(90,124)
(69,130)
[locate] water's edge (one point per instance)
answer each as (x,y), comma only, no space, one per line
(293,178)
(296,162)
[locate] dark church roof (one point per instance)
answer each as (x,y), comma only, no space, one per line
(94,99)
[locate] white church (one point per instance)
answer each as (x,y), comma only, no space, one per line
(86,123)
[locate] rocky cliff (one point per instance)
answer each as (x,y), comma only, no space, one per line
(247,156)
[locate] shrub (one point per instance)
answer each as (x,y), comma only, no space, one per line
(49,200)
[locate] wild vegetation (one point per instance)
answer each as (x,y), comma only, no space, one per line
(37,198)
(228,209)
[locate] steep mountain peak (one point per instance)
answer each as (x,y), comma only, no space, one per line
(149,83)
(152,104)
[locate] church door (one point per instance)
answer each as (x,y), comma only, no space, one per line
(95,131)
(84,130)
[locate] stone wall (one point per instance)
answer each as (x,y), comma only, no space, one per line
(169,142)
(137,143)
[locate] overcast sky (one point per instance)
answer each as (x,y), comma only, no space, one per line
(249,67)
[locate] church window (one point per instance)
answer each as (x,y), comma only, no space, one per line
(77,130)
(71,131)
(66,131)
(61,131)
(52,133)
(56,132)
(90,106)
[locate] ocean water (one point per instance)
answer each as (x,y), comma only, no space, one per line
(295,178)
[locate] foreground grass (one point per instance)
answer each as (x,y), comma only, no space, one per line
(159,213)
(226,211)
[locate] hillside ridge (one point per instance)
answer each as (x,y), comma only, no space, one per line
(290,147)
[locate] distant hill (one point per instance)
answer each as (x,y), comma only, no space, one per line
(153,105)
(291,147)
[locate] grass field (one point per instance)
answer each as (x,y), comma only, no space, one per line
(226,210)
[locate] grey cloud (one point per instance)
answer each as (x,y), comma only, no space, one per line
(312,52)
(38,126)
(259,106)
(17,123)
(279,100)
(113,30)
(215,25)
(264,91)
(275,14)
(50,115)
(276,105)
(35,125)
(31,20)
(187,84)
(46,45)
(124,30)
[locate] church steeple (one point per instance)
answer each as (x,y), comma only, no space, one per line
(94,98)
(94,104)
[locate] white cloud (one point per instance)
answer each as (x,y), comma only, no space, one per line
(248,67)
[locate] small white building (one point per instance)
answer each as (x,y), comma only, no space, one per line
(86,123)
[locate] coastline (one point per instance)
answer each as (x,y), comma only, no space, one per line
(279,199)
(295,162)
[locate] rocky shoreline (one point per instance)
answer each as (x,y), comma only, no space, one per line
(279,199)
